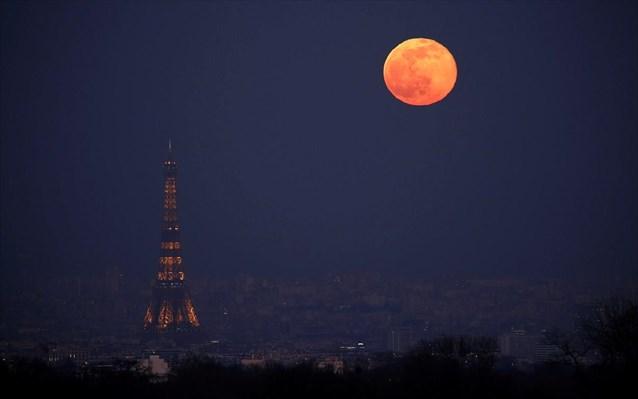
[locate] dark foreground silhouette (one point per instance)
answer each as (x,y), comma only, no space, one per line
(420,374)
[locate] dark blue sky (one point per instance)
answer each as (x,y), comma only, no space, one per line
(295,158)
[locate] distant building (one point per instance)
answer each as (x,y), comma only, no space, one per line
(518,344)
(531,348)
(546,352)
(253,361)
(60,354)
(332,363)
(155,365)
(400,339)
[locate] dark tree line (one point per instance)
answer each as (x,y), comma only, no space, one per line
(608,335)
(613,331)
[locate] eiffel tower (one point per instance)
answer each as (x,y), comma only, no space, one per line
(171,311)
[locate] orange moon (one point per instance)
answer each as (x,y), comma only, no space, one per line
(420,71)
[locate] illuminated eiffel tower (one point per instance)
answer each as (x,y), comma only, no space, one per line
(171,309)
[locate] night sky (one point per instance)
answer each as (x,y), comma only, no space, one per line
(295,159)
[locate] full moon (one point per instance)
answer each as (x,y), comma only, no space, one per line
(420,71)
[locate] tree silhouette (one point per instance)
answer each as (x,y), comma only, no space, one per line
(613,332)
